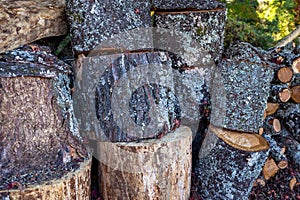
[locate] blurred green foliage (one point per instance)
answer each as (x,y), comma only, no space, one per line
(262,23)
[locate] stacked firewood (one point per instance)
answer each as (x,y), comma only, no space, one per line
(282,122)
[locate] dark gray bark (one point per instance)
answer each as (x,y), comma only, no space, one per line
(92,22)
(186,5)
(205,27)
(240,90)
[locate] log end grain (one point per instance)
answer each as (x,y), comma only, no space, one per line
(285,74)
(296,94)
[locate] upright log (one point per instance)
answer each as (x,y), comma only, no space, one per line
(203,21)
(240,90)
(92,22)
(23,22)
(152,169)
(40,142)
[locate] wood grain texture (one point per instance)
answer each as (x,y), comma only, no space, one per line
(22,22)
(152,169)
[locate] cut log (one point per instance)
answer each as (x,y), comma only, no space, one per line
(73,185)
(296,65)
(138,96)
(225,172)
(271,108)
(152,169)
(23,22)
(285,74)
(276,125)
(282,164)
(39,138)
(279,93)
(240,90)
(285,95)
(187,5)
(296,94)
(92,22)
(270,169)
(240,140)
(204,25)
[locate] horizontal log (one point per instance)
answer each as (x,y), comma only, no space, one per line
(285,74)
(295,93)
(23,22)
(151,169)
(296,65)
(271,108)
(92,22)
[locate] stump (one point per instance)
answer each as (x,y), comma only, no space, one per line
(204,24)
(152,169)
(39,138)
(23,22)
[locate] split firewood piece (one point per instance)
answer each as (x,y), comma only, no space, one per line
(92,22)
(38,132)
(23,22)
(285,95)
(222,168)
(151,169)
(193,18)
(270,169)
(271,108)
(276,125)
(295,94)
(292,183)
(73,185)
(296,65)
(285,74)
(282,164)
(238,102)
(279,94)
(240,140)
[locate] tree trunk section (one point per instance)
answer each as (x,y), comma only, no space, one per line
(240,90)
(204,25)
(225,172)
(92,22)
(152,169)
(23,22)
(39,138)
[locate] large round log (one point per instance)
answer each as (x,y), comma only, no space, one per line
(39,139)
(152,169)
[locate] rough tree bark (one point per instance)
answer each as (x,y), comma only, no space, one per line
(204,22)
(92,22)
(23,22)
(152,169)
(39,138)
